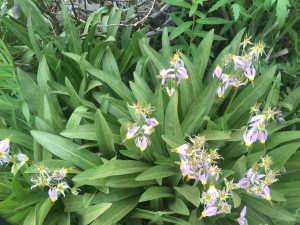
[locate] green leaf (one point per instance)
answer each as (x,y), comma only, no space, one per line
(89,214)
(109,63)
(236,9)
(104,135)
(37,19)
(126,181)
(273,96)
(281,137)
(200,108)
(157,192)
(19,192)
(262,206)
(212,21)
(19,138)
(181,3)
(173,141)
(236,199)
(240,168)
(115,84)
(116,212)
(30,90)
(191,193)
(71,31)
(156,58)
(114,18)
(156,172)
(179,30)
(282,154)
(217,5)
(66,149)
(17,30)
(31,218)
(113,168)
(178,206)
(172,126)
(214,135)
(282,11)
(166,49)
(32,37)
(43,211)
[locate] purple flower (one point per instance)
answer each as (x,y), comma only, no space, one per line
(142,143)
(266,193)
(182,74)
(209,210)
(203,176)
(152,122)
(250,72)
(239,62)
(250,137)
(22,158)
(132,132)
(256,120)
(235,82)
(4,145)
(59,174)
(262,136)
(218,72)
(182,149)
(53,194)
(4,157)
(244,183)
(170,91)
(220,92)
(185,167)
(164,74)
(147,129)
(242,220)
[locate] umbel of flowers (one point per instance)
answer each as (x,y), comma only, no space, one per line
(6,157)
(256,127)
(243,67)
(54,180)
(171,77)
(258,179)
(199,163)
(141,130)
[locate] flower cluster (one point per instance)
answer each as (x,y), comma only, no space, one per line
(55,181)
(242,66)
(144,128)
(215,201)
(173,76)
(196,162)
(258,179)
(18,160)
(256,127)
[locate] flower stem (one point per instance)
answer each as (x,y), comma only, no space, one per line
(230,102)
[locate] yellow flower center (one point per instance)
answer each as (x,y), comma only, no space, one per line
(248,144)
(203,214)
(204,182)
(142,149)
(186,77)
(268,198)
(251,78)
(7,139)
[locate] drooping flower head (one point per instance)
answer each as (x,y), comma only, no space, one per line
(53,194)
(242,220)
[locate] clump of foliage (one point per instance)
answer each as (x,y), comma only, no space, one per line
(108,144)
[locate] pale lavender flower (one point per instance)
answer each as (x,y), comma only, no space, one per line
(244,183)
(209,210)
(185,167)
(235,82)
(60,174)
(242,220)
(220,92)
(4,157)
(213,192)
(217,72)
(262,136)
(239,62)
(147,129)
(256,120)
(61,188)
(132,132)
(266,193)
(164,74)
(22,158)
(142,143)
(250,137)
(181,74)
(53,194)
(203,176)
(4,145)
(182,149)
(250,72)
(152,122)
(170,91)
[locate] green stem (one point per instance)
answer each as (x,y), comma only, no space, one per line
(231,100)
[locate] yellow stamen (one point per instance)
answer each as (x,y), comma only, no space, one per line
(263,142)
(248,145)
(184,174)
(186,77)
(212,186)
(268,198)
(204,182)
(7,139)
(203,214)
(251,79)
(66,171)
(142,149)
